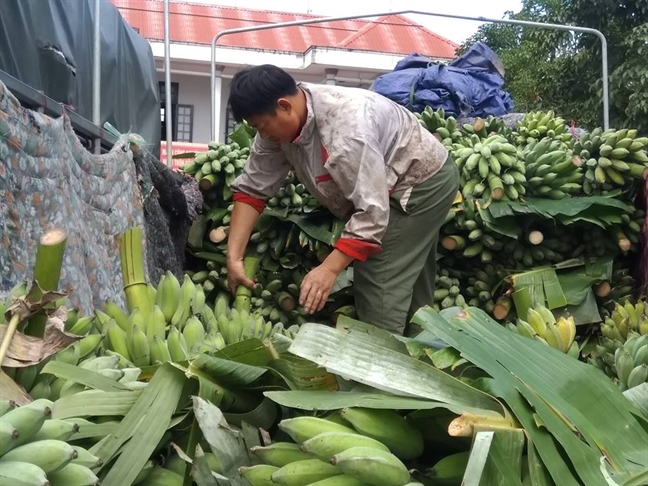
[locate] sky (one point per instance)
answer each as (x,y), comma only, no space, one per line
(455,30)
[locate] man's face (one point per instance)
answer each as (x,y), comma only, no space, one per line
(280,127)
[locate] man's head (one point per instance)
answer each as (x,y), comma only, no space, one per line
(268,98)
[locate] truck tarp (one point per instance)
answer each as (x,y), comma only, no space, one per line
(48,45)
(470,86)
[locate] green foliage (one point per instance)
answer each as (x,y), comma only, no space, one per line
(551,69)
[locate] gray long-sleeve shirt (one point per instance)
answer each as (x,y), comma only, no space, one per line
(355,149)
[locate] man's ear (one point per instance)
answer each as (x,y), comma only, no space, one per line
(284,105)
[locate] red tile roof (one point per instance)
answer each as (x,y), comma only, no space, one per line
(197,24)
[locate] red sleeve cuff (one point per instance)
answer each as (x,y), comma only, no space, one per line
(358,249)
(258,204)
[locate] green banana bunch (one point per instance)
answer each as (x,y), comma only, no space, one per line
(490,168)
(538,125)
(34,448)
(552,170)
(625,362)
(542,325)
(614,158)
(216,169)
(435,121)
(448,292)
(482,287)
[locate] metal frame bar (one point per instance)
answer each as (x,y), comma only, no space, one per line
(34,99)
(523,23)
(168,112)
(96,70)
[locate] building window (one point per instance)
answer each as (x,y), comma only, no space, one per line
(184,123)
(174,109)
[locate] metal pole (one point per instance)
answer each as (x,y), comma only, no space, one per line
(523,23)
(96,72)
(168,115)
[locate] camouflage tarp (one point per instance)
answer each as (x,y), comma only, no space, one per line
(48,180)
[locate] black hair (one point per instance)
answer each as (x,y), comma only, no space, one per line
(255,90)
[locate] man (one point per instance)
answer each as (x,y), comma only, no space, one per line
(367,160)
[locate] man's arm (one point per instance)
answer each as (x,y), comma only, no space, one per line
(265,171)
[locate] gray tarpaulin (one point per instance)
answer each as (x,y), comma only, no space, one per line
(47,44)
(48,180)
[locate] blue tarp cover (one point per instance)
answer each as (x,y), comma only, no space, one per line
(470,86)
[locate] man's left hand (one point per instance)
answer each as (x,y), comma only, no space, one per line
(315,288)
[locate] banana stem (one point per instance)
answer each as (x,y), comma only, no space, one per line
(47,273)
(133,274)
(11,330)
(244,294)
(502,308)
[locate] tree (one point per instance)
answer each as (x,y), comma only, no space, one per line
(550,69)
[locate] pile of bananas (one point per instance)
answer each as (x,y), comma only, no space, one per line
(436,123)
(235,325)
(613,158)
(625,362)
(542,325)
(447,292)
(466,233)
(34,450)
(625,319)
(490,168)
(539,124)
(216,169)
(358,446)
(47,386)
(174,329)
(482,287)
(486,127)
(552,170)
(621,288)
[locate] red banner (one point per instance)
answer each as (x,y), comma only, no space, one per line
(181,148)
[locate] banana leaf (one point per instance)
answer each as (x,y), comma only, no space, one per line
(550,209)
(577,404)
(379,337)
(200,471)
(226,372)
(95,403)
(578,282)
(587,312)
(544,286)
(479,453)
(243,135)
(304,222)
(639,396)
(504,464)
(358,358)
(145,425)
(302,374)
(322,400)
(85,377)
(504,225)
(226,443)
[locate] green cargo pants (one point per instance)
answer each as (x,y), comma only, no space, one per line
(393,284)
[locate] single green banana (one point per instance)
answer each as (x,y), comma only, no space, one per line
(49,455)
(300,429)
(328,444)
(388,427)
(55,429)
(259,475)
(73,475)
(16,473)
(303,473)
(280,454)
(372,466)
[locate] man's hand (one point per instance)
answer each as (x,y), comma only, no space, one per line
(315,288)
(236,276)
